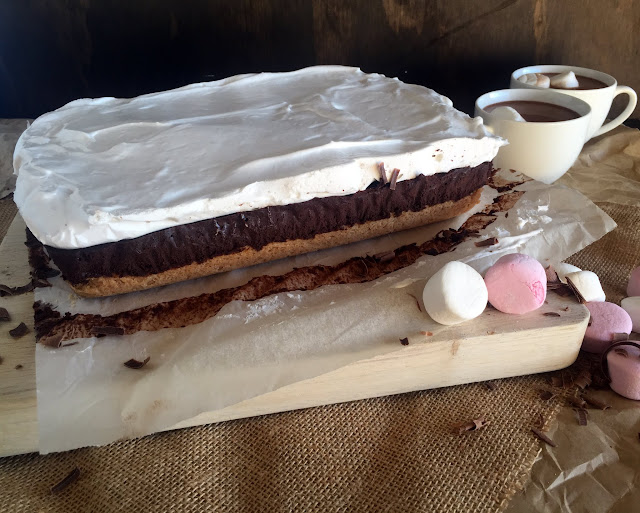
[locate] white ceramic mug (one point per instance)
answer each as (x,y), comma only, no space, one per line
(541,150)
(599,99)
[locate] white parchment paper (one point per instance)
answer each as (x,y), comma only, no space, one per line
(87,397)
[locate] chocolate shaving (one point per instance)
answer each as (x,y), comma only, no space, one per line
(404,341)
(546,395)
(596,403)
(617,337)
(551,314)
(18,367)
(472,425)
(583,380)
(107,330)
(543,437)
(69,479)
(578,402)
(137,364)
(5,290)
(552,275)
(491,385)
(491,241)
(394,179)
(575,291)
(383,173)
(621,352)
(582,416)
(417,302)
(386,256)
(19,331)
(4,315)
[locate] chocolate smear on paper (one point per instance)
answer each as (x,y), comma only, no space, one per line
(491,241)
(53,327)
(4,315)
(19,331)
(136,364)
(404,341)
(543,437)
(69,479)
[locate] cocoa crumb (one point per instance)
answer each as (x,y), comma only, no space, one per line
(404,341)
(565,309)
(136,364)
(543,437)
(19,331)
(69,479)
(18,367)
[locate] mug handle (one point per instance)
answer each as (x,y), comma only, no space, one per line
(633,100)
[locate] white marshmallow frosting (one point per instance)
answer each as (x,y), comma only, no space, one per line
(107,169)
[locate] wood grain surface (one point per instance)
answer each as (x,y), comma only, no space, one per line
(495,345)
(56,51)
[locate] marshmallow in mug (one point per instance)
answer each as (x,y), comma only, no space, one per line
(536,79)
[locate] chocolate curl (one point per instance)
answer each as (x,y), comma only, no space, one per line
(383,173)
(582,416)
(596,403)
(394,179)
(491,241)
(543,437)
(69,479)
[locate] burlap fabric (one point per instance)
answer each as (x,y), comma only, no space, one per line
(388,454)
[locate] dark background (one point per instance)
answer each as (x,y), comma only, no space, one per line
(54,51)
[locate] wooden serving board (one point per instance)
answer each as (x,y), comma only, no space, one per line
(495,345)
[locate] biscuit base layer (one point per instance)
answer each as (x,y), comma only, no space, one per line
(108,286)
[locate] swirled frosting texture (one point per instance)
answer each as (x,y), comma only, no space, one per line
(107,169)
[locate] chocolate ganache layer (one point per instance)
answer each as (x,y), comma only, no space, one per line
(202,240)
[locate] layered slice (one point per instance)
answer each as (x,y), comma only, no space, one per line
(136,193)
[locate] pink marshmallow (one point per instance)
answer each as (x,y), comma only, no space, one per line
(517,284)
(606,320)
(625,371)
(633,287)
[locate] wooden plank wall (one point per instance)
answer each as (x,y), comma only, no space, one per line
(53,51)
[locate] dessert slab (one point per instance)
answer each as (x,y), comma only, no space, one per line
(495,345)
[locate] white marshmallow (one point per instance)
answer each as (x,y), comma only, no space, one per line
(454,294)
(566,80)
(588,284)
(631,305)
(535,79)
(507,113)
(562,269)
